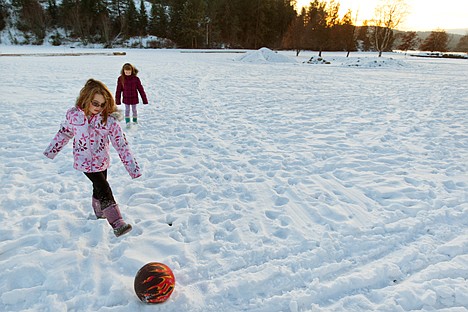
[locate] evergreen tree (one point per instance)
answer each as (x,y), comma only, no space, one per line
(3,15)
(53,12)
(225,24)
(92,13)
(316,26)
(175,20)
(262,20)
(87,11)
(117,9)
(131,27)
(142,19)
(212,33)
(158,23)
(104,24)
(246,11)
(334,29)
(283,14)
(193,21)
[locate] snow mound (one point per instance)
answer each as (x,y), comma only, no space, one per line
(317,60)
(265,55)
(373,62)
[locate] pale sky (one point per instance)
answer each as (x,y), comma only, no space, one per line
(424,14)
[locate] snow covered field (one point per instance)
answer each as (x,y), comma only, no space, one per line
(267,186)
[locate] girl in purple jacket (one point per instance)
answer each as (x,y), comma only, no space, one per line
(129,85)
(92,124)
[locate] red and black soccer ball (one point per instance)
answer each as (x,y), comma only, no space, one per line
(154,283)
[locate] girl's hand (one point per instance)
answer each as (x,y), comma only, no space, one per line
(136,175)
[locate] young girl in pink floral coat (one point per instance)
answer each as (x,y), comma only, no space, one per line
(92,123)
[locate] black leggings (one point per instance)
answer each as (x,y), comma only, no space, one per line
(101,188)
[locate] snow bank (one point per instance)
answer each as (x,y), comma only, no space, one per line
(367,61)
(373,62)
(264,55)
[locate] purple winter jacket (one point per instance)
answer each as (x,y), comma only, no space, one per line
(130,91)
(91,140)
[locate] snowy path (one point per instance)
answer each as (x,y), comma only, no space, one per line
(266,187)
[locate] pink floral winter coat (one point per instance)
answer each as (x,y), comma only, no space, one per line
(91,142)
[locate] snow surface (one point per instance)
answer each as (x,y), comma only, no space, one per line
(266,187)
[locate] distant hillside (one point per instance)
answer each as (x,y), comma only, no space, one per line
(454,36)
(458,31)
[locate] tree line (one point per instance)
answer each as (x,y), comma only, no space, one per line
(247,24)
(185,23)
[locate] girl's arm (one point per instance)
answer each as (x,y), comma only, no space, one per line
(118,92)
(60,140)
(120,143)
(142,91)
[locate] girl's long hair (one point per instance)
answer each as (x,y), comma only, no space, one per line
(127,66)
(87,93)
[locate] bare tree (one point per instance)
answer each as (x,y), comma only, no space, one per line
(409,41)
(437,41)
(462,45)
(388,15)
(33,19)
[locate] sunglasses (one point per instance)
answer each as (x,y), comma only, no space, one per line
(97,104)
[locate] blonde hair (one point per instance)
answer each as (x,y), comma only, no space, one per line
(87,93)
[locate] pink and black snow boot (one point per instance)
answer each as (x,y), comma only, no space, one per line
(113,216)
(97,208)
